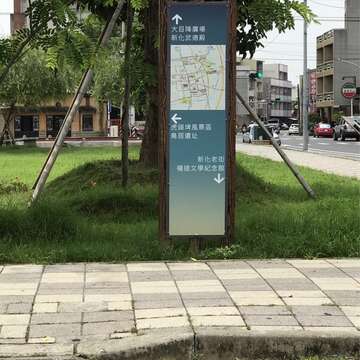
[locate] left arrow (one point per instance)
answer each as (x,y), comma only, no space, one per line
(177,18)
(175,118)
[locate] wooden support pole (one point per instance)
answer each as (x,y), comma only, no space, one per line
(287,161)
(74,107)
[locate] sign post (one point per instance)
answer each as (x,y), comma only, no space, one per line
(197,110)
(348,91)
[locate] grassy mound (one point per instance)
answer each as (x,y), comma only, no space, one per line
(85,215)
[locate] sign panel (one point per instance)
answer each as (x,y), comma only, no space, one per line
(348,90)
(197,116)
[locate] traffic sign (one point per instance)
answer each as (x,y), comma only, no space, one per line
(198,118)
(348,90)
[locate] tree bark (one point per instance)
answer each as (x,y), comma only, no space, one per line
(6,129)
(149,154)
(126,108)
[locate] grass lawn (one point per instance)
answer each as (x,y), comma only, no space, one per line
(85,215)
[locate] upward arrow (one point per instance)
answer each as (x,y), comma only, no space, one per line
(177,18)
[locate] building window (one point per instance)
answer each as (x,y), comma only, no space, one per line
(49,123)
(87,122)
(17,123)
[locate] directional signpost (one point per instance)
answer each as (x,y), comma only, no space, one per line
(348,91)
(197,84)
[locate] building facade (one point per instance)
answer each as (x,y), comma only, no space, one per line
(249,83)
(277,91)
(338,62)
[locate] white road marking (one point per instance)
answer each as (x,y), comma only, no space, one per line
(321,143)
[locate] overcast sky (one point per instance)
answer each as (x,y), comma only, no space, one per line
(279,48)
(288,48)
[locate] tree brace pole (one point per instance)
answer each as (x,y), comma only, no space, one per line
(293,169)
(73,109)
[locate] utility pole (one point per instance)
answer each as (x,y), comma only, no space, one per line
(305,90)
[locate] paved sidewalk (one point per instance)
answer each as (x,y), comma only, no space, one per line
(328,164)
(53,309)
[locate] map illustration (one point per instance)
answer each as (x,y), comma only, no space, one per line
(198,77)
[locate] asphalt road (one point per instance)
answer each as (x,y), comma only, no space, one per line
(349,149)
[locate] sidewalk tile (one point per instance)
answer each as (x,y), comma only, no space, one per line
(340,283)
(119,305)
(312,264)
(271,329)
(147,267)
(159,297)
(291,284)
(18,319)
(105,267)
(146,304)
(42,340)
(183,275)
(50,350)
(331,329)
(64,268)
(301,294)
(307,301)
(121,335)
(228,264)
(351,310)
(13,332)
(17,292)
(69,331)
(280,273)
(269,264)
(195,286)
(204,295)
(58,298)
(246,285)
(264,310)
(105,316)
(317,310)
(107,328)
(230,274)
(188,266)
(107,297)
(63,278)
(21,269)
(355,320)
(137,276)
(315,320)
(56,318)
(82,307)
(344,263)
(114,290)
(230,320)
(92,277)
(14,299)
(154,287)
(19,308)
(270,320)
(61,291)
(205,302)
(159,313)
(332,272)
(16,285)
(213,311)
(45,308)
(159,323)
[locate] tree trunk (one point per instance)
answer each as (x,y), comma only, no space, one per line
(6,131)
(149,154)
(126,108)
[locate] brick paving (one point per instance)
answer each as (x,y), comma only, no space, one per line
(51,308)
(328,164)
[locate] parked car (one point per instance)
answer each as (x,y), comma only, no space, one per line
(349,127)
(294,129)
(323,130)
(254,132)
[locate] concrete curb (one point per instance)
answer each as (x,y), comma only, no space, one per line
(217,344)
(223,344)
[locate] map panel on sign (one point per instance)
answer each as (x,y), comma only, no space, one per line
(198,77)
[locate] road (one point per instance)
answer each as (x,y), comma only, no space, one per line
(349,149)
